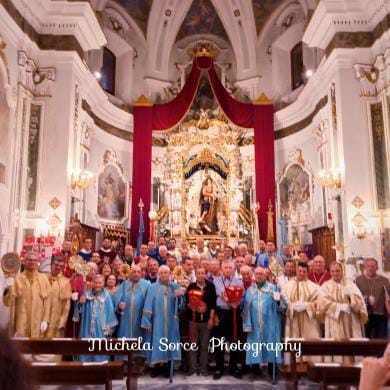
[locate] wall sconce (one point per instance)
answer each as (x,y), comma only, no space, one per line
(330,179)
(82,179)
(359,222)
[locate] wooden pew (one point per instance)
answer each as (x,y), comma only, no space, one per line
(323,347)
(75,347)
(335,374)
(77,373)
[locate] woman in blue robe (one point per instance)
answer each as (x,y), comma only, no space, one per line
(113,289)
(98,318)
(160,319)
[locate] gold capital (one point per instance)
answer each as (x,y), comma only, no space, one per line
(143,101)
(263,99)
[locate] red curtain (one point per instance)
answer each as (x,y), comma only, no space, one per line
(147,118)
(264,136)
(142,168)
(168,115)
(241,114)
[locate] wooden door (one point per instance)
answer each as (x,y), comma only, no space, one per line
(323,242)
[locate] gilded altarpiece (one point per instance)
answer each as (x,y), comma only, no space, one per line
(204,180)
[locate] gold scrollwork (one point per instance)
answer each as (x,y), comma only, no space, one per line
(206,157)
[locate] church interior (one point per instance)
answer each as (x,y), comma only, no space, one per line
(174,122)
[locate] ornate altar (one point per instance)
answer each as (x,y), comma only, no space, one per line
(203,175)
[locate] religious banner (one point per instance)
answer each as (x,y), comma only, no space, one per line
(119,237)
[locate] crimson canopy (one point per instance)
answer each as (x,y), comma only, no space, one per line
(148,117)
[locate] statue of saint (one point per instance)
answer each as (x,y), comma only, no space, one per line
(208,203)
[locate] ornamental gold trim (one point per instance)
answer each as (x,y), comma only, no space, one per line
(203,49)
(206,157)
(142,101)
(263,99)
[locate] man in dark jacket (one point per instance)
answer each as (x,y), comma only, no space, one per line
(204,320)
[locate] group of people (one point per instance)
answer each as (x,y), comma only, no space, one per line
(197,296)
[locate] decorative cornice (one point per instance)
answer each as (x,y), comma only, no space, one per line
(46,40)
(333,17)
(355,39)
(294,128)
(349,40)
(108,128)
(116,131)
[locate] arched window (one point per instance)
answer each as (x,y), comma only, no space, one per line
(108,71)
(296,58)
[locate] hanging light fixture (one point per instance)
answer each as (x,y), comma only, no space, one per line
(330,179)
(82,179)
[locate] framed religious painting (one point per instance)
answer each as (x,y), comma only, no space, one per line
(113,187)
(295,189)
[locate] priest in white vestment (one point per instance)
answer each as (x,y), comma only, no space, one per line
(341,305)
(301,315)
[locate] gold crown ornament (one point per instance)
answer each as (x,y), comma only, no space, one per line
(203,50)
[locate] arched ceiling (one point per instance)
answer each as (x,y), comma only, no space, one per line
(201,18)
(239,23)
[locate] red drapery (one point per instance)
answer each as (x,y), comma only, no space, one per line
(168,115)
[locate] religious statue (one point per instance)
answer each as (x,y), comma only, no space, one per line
(208,203)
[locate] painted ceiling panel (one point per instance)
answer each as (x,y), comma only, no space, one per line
(202,18)
(139,10)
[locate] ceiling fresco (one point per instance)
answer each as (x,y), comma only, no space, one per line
(139,10)
(262,10)
(202,18)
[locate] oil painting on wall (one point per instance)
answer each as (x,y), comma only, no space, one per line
(294,194)
(112,194)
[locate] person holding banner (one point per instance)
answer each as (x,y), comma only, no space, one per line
(228,317)
(200,314)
